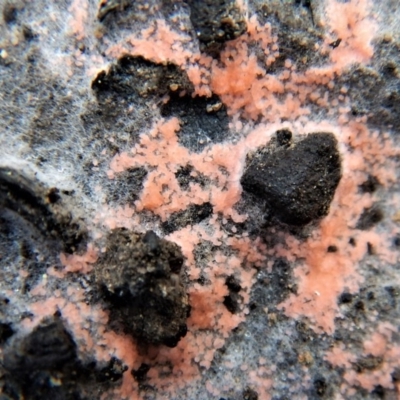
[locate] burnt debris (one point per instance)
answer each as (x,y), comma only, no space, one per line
(143,284)
(130,91)
(194,214)
(233,300)
(6,331)
(134,76)
(370,217)
(43,364)
(41,208)
(108,6)
(297,182)
(215,22)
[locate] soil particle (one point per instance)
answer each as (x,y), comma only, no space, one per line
(10,12)
(297,183)
(136,76)
(108,6)
(184,177)
(284,137)
(233,300)
(379,391)
(215,22)
(280,280)
(297,29)
(233,284)
(48,347)
(370,185)
(204,120)
(125,187)
(370,217)
(305,334)
(320,386)
(28,33)
(140,374)
(194,214)
(6,331)
(43,364)
(367,363)
(250,394)
(332,249)
(143,283)
(396,375)
(112,372)
(376,88)
(128,95)
(270,289)
(345,298)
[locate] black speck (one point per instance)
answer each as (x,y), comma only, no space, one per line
(393,291)
(370,217)
(112,372)
(6,331)
(345,298)
(184,177)
(194,214)
(153,242)
(231,302)
(233,284)
(370,296)
(335,43)
(370,185)
(284,137)
(370,249)
(250,394)
(9,13)
(53,195)
(396,375)
(28,33)
(201,280)
(379,391)
(320,385)
(140,374)
(360,306)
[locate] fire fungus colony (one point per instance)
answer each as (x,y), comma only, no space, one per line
(199,200)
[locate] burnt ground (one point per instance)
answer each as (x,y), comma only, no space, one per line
(58,126)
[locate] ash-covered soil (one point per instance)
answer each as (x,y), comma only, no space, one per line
(219,258)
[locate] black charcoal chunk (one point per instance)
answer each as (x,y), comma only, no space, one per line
(297,183)
(143,283)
